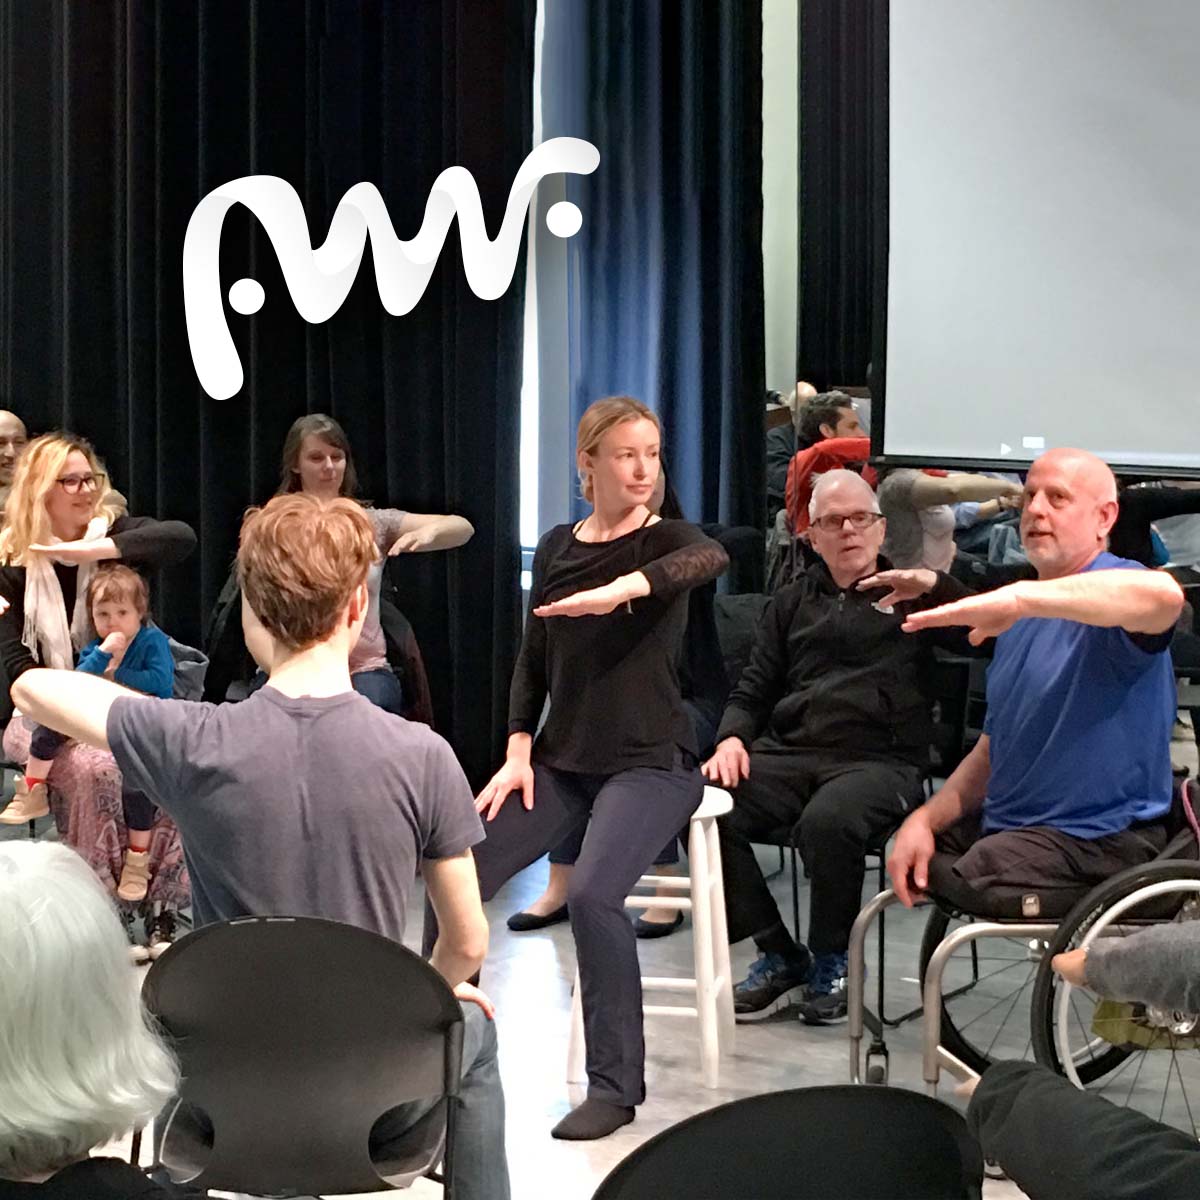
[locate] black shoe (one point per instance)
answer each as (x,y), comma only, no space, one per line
(160,934)
(523,922)
(826,999)
(657,929)
(591,1120)
(772,977)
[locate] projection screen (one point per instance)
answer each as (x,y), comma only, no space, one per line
(1043,281)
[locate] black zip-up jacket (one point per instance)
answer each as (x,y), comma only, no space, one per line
(831,672)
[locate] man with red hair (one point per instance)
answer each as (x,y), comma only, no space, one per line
(306,799)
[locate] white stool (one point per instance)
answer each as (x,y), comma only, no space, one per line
(712,986)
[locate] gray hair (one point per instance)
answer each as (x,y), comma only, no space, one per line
(79,1062)
(841,478)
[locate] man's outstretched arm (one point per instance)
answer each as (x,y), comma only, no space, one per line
(71,702)
(1136,601)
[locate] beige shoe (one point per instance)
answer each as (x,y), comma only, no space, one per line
(135,875)
(28,803)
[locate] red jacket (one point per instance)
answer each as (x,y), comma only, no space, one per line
(828,455)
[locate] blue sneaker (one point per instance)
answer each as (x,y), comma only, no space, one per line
(826,999)
(771,978)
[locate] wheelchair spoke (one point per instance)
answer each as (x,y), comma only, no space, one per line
(1016,997)
(1112,1076)
(1136,1075)
(1182,1087)
(992,1007)
(1088,1041)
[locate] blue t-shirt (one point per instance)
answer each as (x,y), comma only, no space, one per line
(1080,722)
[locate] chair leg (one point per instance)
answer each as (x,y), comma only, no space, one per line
(135,1148)
(882,950)
(702,946)
(576,1049)
(720,935)
(795,894)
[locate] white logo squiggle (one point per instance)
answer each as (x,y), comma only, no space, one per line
(319,280)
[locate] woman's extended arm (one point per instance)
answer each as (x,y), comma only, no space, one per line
(419,532)
(691,559)
(147,542)
(930,490)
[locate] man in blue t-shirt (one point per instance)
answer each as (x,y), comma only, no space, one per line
(1071,780)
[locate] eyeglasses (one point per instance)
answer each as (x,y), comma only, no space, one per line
(858,520)
(72,484)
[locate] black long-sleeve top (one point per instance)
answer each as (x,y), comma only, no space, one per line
(831,671)
(1137,507)
(612,679)
(143,543)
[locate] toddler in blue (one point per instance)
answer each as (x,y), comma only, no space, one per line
(135,655)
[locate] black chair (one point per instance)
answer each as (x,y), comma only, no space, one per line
(823,1143)
(294,1036)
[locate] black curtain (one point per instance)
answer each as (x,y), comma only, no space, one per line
(115,120)
(665,277)
(843,186)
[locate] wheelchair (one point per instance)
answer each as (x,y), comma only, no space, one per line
(989,993)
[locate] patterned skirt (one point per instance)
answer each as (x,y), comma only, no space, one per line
(85,798)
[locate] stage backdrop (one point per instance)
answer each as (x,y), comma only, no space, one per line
(665,281)
(115,120)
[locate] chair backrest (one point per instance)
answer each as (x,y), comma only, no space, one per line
(737,619)
(823,1143)
(294,1036)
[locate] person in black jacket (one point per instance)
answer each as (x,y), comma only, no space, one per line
(828,726)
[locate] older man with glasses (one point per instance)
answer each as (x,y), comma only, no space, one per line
(828,726)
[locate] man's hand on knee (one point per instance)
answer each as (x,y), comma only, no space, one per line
(730,763)
(908,863)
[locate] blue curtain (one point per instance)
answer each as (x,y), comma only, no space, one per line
(665,277)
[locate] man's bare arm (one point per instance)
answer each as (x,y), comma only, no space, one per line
(1137,601)
(453,889)
(914,847)
(963,793)
(71,702)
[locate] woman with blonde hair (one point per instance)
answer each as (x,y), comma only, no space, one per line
(62,519)
(79,1062)
(607,612)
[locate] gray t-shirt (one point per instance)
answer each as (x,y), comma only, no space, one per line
(316,806)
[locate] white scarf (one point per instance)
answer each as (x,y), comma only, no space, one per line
(46,611)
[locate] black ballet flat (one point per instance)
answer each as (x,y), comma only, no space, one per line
(523,922)
(657,929)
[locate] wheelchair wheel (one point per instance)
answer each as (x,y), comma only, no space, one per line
(985,992)
(1134,1055)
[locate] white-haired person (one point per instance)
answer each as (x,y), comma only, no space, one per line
(827,730)
(607,610)
(79,1062)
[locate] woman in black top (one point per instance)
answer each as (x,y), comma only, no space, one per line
(607,611)
(61,519)
(704,688)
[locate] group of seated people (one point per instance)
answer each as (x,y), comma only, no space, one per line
(312,797)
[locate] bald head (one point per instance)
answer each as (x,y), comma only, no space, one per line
(841,486)
(1084,469)
(12,441)
(1070,505)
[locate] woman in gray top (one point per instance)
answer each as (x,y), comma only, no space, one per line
(317,461)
